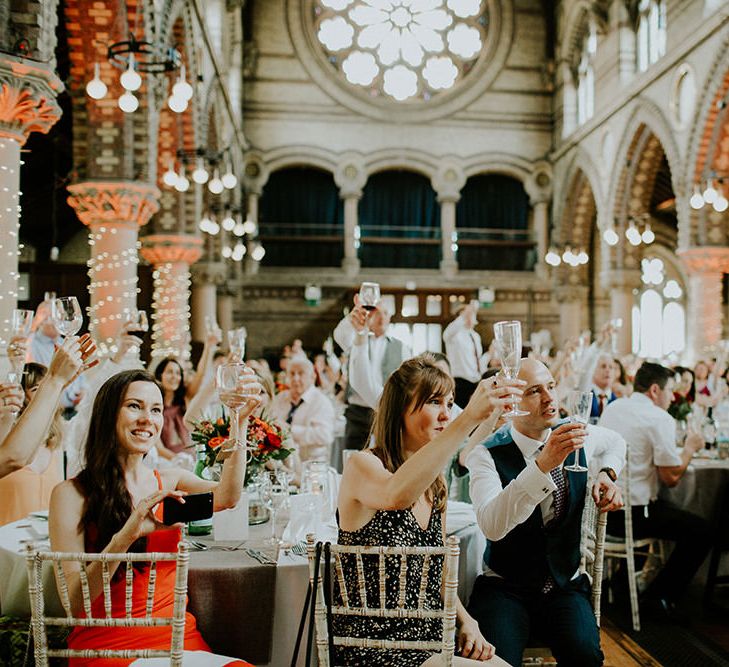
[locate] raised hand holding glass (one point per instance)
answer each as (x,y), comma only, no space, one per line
(66,315)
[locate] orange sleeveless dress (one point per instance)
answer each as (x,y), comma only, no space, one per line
(136,638)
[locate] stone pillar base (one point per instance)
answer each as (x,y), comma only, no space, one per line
(449,268)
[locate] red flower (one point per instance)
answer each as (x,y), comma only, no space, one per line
(214,443)
(274,440)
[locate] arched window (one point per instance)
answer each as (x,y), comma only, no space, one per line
(659,318)
(651,32)
(586,78)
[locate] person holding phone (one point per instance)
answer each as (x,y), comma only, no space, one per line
(114,505)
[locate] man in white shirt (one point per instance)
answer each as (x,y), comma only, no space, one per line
(602,385)
(384,355)
(307,409)
(465,353)
(643,420)
(530,510)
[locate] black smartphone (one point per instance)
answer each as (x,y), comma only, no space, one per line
(196,507)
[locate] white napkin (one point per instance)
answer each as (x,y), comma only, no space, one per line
(232,524)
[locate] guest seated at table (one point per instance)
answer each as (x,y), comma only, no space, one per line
(113,506)
(602,385)
(307,410)
(530,509)
(621,382)
(21,443)
(645,424)
(29,489)
(394,495)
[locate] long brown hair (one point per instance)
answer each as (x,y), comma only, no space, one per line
(108,503)
(408,389)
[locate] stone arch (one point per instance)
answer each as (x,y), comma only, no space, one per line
(408,159)
(708,150)
(645,141)
(291,156)
(498,163)
(582,164)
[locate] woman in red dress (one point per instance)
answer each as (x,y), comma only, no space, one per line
(113,506)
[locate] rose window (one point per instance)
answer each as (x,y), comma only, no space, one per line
(406,49)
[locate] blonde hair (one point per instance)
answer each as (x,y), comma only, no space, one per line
(408,389)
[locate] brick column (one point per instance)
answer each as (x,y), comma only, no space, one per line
(705,268)
(171,255)
(113,212)
(27,104)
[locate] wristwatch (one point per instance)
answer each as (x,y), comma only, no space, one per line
(610,473)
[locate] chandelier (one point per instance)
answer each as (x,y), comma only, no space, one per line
(570,256)
(136,57)
(176,176)
(633,233)
(712,193)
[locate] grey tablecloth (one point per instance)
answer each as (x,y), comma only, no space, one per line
(700,488)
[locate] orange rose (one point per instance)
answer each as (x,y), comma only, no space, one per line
(214,443)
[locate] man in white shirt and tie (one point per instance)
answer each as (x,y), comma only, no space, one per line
(602,385)
(643,420)
(465,352)
(530,509)
(307,410)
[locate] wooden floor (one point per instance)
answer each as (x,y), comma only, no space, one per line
(621,651)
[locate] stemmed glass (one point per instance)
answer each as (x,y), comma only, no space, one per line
(228,382)
(138,323)
(20,325)
(66,315)
(507,335)
(369,297)
(237,342)
(274,490)
(579,405)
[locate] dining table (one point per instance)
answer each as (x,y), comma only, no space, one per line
(244,608)
(700,489)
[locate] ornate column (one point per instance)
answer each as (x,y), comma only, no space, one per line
(27,104)
(113,211)
(705,268)
(620,283)
(171,255)
(225,313)
(251,214)
(448,262)
(350,176)
(572,300)
(541,233)
(206,278)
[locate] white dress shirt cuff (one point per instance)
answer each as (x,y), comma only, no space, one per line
(537,484)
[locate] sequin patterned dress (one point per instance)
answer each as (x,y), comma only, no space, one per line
(395,528)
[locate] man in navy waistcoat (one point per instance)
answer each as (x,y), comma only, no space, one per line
(530,510)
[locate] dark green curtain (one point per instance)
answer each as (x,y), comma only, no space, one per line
(397,199)
(496,202)
(293,199)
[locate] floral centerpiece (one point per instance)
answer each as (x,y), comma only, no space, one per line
(266,439)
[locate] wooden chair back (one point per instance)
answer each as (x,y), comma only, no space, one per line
(39,621)
(449,553)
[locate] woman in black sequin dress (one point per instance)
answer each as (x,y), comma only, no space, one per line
(395,495)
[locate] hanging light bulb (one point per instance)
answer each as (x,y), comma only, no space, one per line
(229,178)
(610,236)
(130,79)
(239,229)
(258,252)
(96,88)
(183,183)
(583,257)
(170,176)
(633,235)
(249,227)
(128,103)
(200,175)
(238,252)
(710,193)
(552,258)
(228,222)
(216,185)
(205,224)
(182,90)
(721,203)
(696,201)
(648,236)
(177,104)
(227,251)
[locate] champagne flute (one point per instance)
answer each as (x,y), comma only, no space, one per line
(579,405)
(66,315)
(369,297)
(274,492)
(20,325)
(237,342)
(507,335)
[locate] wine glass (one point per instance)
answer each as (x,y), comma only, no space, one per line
(237,342)
(369,297)
(234,397)
(66,315)
(274,490)
(507,335)
(579,405)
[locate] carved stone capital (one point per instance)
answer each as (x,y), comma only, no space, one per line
(27,98)
(171,248)
(350,175)
(209,273)
(448,182)
(126,203)
(707,259)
